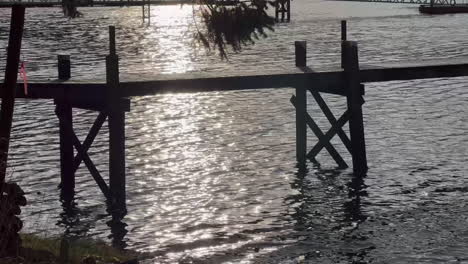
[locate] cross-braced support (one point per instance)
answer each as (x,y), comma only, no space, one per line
(146,11)
(353,92)
(68,141)
(111,107)
(283,8)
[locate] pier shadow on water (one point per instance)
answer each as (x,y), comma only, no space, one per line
(327,220)
(74,227)
(322,221)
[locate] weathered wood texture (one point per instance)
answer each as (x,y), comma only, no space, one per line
(8,89)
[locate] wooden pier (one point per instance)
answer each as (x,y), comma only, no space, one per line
(110,99)
(283,10)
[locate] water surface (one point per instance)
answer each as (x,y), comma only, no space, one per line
(212,178)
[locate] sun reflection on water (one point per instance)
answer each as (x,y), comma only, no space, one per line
(172,27)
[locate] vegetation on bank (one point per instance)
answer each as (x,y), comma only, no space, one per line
(36,249)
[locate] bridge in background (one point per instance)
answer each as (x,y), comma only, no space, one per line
(52,3)
(420,2)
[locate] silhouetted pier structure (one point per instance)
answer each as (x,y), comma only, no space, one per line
(110,99)
(283,10)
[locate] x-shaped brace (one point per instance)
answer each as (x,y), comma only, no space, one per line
(82,149)
(336,129)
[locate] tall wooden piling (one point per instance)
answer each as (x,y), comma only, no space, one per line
(67,173)
(64,111)
(116,123)
(300,48)
(344,36)
(301,105)
(9,86)
(64,67)
(277,7)
(354,93)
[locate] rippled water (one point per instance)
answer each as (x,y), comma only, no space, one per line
(212,176)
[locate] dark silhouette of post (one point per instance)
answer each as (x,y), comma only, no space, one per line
(116,123)
(277,7)
(354,93)
(344,33)
(64,67)
(301,105)
(67,174)
(9,86)
(64,110)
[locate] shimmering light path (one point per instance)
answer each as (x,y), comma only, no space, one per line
(212,177)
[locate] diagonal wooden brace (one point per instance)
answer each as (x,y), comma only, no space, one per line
(318,132)
(331,118)
(87,160)
(336,126)
(101,118)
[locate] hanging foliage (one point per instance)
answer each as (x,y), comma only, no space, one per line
(226,23)
(233,23)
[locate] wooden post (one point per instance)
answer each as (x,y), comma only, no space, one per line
(344,33)
(116,127)
(301,106)
(149,12)
(288,16)
(64,72)
(282,10)
(67,173)
(355,101)
(64,109)
(301,53)
(277,10)
(9,86)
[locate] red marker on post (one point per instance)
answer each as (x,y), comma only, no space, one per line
(23,75)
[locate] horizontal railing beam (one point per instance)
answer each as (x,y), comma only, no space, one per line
(413,73)
(327,82)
